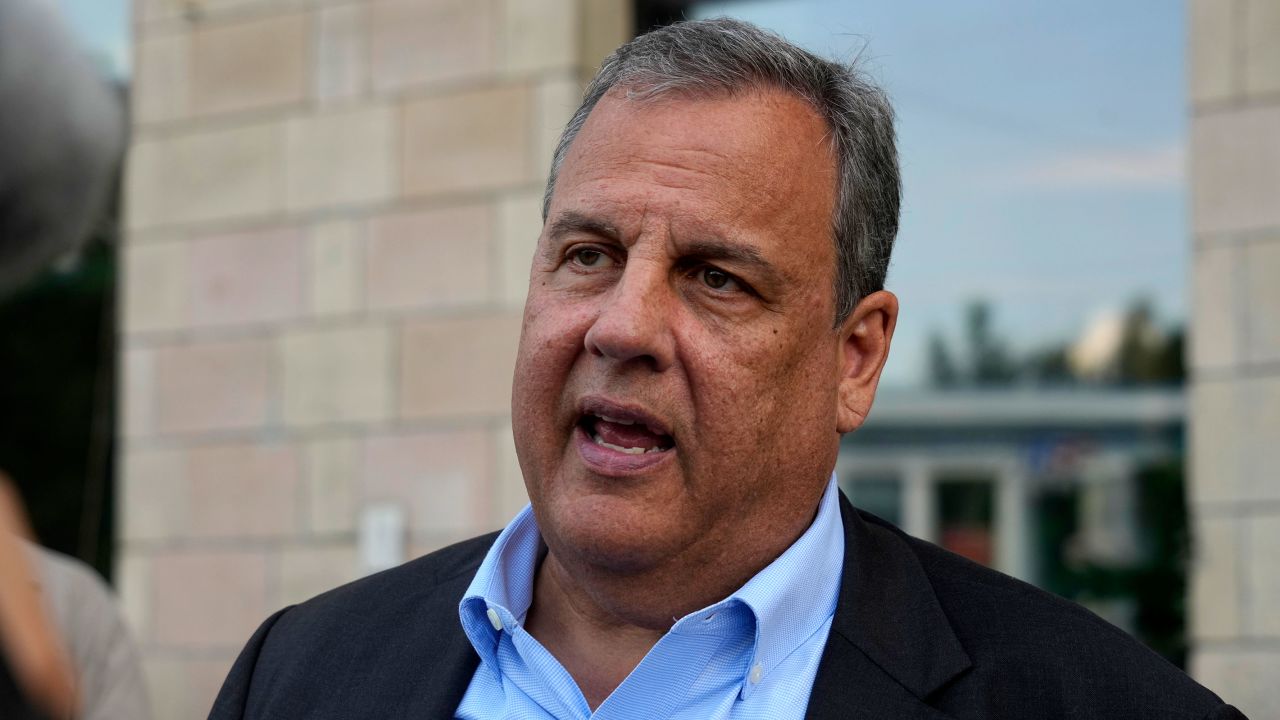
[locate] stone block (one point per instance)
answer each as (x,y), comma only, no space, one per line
(138,393)
(1217,441)
(606,24)
(471,140)
(155,287)
(307,571)
(1235,170)
(458,366)
(1244,677)
(1262,273)
(1262,597)
(181,686)
(218,385)
(154,505)
(1260,427)
(256,63)
(208,599)
(133,587)
(1212,50)
(340,158)
(150,11)
(414,42)
(442,477)
(342,56)
(539,36)
(1215,579)
(429,259)
(245,277)
(555,101)
(1217,328)
(167,13)
(519,225)
(230,173)
(1262,48)
(160,91)
(335,253)
(336,375)
(333,468)
(510,494)
(243,491)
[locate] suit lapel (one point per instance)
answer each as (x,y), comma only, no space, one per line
(450,661)
(890,644)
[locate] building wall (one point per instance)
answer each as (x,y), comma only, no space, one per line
(331,207)
(1235,349)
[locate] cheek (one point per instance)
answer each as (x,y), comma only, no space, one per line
(772,385)
(551,340)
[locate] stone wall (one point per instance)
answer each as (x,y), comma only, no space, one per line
(331,207)
(1235,349)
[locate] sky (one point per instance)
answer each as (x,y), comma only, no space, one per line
(103,26)
(1042,147)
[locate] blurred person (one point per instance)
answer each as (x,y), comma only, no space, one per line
(36,679)
(68,648)
(706,318)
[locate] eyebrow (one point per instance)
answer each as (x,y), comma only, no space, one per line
(571,222)
(714,249)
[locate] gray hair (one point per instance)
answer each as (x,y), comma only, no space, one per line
(726,55)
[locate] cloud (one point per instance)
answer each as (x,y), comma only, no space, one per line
(1151,168)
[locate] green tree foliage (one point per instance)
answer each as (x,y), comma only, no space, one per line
(1147,354)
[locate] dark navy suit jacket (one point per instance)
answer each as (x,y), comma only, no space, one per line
(919,634)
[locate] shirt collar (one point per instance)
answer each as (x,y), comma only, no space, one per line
(503,584)
(794,596)
(790,599)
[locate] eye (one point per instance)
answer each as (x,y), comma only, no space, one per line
(717,279)
(589,257)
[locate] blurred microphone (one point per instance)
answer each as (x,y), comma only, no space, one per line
(62,134)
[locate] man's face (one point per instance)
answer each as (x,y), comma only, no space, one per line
(677,379)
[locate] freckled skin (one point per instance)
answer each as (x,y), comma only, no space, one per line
(738,358)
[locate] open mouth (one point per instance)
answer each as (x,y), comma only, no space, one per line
(625,435)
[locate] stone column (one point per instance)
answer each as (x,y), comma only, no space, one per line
(331,208)
(1235,349)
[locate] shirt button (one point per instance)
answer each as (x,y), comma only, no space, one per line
(494,619)
(756,673)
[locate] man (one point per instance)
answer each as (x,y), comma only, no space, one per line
(705,319)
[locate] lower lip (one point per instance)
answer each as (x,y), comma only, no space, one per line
(606,461)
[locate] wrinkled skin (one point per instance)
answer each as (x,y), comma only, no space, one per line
(686,271)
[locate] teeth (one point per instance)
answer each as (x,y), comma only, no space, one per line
(628,450)
(616,421)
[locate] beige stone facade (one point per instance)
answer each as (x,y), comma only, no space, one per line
(331,206)
(1235,349)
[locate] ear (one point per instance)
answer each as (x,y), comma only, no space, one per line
(864,347)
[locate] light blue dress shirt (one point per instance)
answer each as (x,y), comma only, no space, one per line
(752,655)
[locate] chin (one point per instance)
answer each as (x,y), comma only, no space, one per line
(610,533)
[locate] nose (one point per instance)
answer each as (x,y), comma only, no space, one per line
(634,322)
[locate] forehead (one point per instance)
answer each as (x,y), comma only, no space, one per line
(756,161)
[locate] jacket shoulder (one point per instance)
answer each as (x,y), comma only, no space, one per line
(1031,649)
(362,649)
(406,583)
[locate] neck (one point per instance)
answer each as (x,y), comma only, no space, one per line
(600,624)
(597,648)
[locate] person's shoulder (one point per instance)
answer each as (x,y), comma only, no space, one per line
(83,605)
(362,649)
(1029,645)
(406,588)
